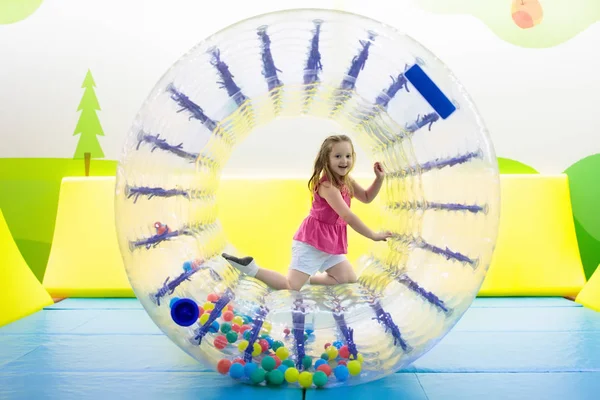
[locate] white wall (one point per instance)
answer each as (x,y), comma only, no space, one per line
(540,105)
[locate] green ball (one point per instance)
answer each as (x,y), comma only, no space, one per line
(268,363)
(307,362)
(277,344)
(289,363)
(319,378)
(275,377)
(258,375)
(232,336)
(226,327)
(325,356)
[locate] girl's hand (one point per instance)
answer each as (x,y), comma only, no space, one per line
(378,169)
(381,236)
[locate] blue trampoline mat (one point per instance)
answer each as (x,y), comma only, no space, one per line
(503,348)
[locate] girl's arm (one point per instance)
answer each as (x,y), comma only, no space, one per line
(367,196)
(333,196)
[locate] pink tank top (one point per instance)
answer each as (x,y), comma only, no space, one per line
(323,228)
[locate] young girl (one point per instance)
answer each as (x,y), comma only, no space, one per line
(321,242)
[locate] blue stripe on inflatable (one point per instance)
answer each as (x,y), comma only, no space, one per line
(429,90)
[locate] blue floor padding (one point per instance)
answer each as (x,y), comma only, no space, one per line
(502,348)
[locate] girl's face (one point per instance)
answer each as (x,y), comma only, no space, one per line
(340,158)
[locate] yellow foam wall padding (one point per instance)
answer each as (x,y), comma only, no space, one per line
(590,294)
(536,252)
(85,259)
(260,218)
(21,294)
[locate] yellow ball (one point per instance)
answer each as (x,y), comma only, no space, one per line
(354,367)
(359,357)
(238,320)
(291,375)
(257,350)
(208,306)
(305,379)
(204,318)
(332,352)
(243,345)
(266,327)
(282,353)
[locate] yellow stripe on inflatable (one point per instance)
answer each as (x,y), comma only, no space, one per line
(85,260)
(536,252)
(590,294)
(21,294)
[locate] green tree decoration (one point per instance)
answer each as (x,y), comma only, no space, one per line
(88,125)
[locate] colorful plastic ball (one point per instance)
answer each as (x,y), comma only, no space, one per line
(319,378)
(275,377)
(208,306)
(228,316)
(305,379)
(319,362)
(286,331)
(276,344)
(187,266)
(269,340)
(354,367)
(257,350)
(282,353)
(277,361)
(225,327)
(214,327)
(246,335)
(235,327)
(341,372)
(283,368)
(309,331)
(232,337)
(247,319)
(223,366)
(289,363)
(200,310)
(236,371)
(337,344)
(212,297)
(342,362)
(242,345)
(220,342)
(204,318)
(173,300)
(291,375)
(248,368)
(244,328)
(332,352)
(325,368)
(326,345)
(238,320)
(239,361)
(359,357)
(325,356)
(268,363)
(263,344)
(307,362)
(258,375)
(266,327)
(344,352)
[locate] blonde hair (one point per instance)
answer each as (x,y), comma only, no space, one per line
(321,167)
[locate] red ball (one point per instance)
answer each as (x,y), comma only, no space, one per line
(201,311)
(342,362)
(286,331)
(277,361)
(228,316)
(239,361)
(325,368)
(263,344)
(327,345)
(235,328)
(223,366)
(344,352)
(220,342)
(244,328)
(229,307)
(212,297)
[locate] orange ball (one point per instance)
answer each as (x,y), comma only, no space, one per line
(223,366)
(325,368)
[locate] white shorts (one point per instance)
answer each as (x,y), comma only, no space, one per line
(310,260)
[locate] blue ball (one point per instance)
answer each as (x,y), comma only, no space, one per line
(282,368)
(214,327)
(337,344)
(187,266)
(247,334)
(236,371)
(320,361)
(249,368)
(173,300)
(269,340)
(341,373)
